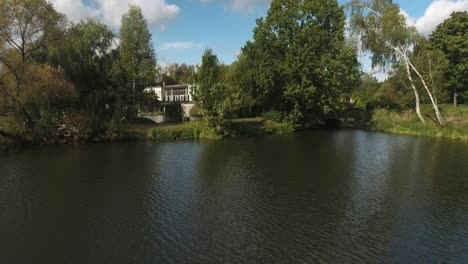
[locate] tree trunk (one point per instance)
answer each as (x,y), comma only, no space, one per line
(455,99)
(416,93)
(440,119)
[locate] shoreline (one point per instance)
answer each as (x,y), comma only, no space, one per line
(8,146)
(388,121)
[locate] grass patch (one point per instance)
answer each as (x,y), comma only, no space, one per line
(407,123)
(188,130)
(256,127)
(199,130)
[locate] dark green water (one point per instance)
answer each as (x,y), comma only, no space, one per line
(315,197)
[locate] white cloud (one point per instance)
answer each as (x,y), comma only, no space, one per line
(247,5)
(436,13)
(181,45)
(157,12)
(74,9)
(241,5)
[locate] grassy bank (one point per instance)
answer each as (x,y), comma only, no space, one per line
(407,123)
(188,130)
(198,130)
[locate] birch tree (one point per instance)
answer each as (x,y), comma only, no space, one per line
(383,32)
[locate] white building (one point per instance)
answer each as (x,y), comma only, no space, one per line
(170,96)
(172,93)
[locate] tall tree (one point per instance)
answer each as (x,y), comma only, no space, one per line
(383,31)
(244,97)
(452,38)
(137,54)
(25,27)
(86,57)
(209,94)
(303,62)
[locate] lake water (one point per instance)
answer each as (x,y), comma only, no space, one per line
(344,196)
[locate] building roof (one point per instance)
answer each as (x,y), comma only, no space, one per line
(179,86)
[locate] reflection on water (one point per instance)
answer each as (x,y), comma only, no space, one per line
(333,197)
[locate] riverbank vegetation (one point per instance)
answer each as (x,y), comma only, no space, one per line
(80,82)
(233,128)
(405,122)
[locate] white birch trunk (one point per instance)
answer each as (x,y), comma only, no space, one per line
(416,93)
(440,119)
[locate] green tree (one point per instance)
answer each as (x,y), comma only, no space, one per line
(301,60)
(244,99)
(433,66)
(365,94)
(137,54)
(25,27)
(383,31)
(178,74)
(452,38)
(86,57)
(209,94)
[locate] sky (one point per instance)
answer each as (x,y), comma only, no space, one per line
(182,29)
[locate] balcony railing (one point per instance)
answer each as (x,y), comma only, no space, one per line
(176,98)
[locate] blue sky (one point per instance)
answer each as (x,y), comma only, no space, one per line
(182,29)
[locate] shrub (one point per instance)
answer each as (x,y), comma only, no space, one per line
(189,130)
(62,126)
(274,116)
(272,127)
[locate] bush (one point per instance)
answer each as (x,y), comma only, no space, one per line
(274,116)
(189,130)
(272,127)
(62,126)
(195,111)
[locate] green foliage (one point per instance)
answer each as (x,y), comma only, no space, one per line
(276,128)
(189,130)
(209,94)
(137,55)
(386,96)
(86,58)
(233,128)
(381,30)
(178,74)
(25,27)
(433,66)
(400,83)
(63,126)
(292,71)
(452,38)
(256,127)
(405,122)
(243,100)
(365,95)
(274,116)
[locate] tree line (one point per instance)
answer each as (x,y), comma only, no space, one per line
(83,81)
(60,80)
(301,65)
